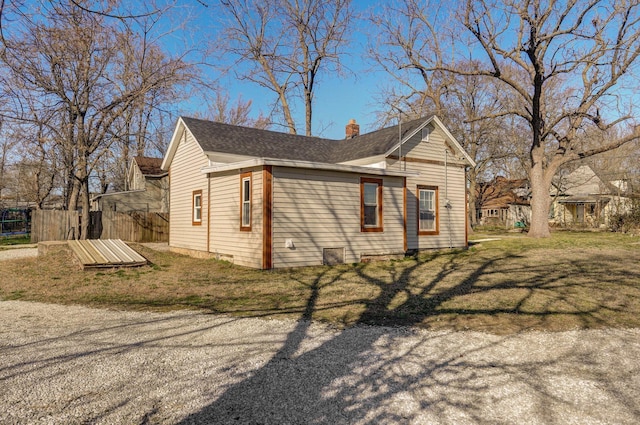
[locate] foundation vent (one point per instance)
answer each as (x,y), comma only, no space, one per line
(332,256)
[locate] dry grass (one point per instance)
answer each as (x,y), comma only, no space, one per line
(573,280)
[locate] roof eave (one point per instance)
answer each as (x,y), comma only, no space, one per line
(257,162)
(173,144)
(102,195)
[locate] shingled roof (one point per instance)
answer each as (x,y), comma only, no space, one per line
(231,139)
(149,166)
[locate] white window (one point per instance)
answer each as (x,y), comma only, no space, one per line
(196,213)
(428,210)
(245,202)
(371,205)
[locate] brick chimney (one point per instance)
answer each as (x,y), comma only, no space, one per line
(352,129)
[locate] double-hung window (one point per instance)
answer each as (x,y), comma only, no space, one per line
(196,208)
(370,205)
(428,221)
(245,202)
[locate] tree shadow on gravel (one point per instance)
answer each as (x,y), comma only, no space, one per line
(374,374)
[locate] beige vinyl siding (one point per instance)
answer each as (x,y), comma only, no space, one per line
(186,177)
(138,179)
(452,221)
(226,239)
(321,209)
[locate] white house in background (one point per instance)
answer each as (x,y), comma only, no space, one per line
(267,200)
(584,199)
(148,189)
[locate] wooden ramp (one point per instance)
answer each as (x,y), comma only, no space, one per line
(106,253)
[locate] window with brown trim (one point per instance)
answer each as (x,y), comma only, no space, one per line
(371,205)
(196,208)
(428,219)
(245,202)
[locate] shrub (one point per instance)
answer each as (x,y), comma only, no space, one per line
(626,222)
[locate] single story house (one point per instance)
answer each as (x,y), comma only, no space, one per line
(266,199)
(582,198)
(148,189)
(503,202)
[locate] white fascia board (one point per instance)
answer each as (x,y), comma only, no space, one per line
(181,128)
(226,158)
(103,195)
(371,161)
(257,162)
(173,144)
(472,163)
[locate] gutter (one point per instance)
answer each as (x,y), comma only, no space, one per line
(258,162)
(100,195)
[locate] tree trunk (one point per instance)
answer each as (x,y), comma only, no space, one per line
(72,204)
(540,200)
(291,125)
(308,104)
(84,194)
(473,199)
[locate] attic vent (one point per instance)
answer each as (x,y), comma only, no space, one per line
(426,131)
(332,256)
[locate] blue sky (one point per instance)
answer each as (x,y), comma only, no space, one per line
(337,100)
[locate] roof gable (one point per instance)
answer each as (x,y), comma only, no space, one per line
(582,181)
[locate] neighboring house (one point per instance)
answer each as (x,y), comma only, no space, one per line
(583,198)
(267,200)
(503,202)
(148,190)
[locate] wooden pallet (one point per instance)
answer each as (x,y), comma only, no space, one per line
(105,253)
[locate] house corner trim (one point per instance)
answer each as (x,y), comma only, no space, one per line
(267,217)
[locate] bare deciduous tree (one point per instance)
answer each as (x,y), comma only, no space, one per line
(65,66)
(407,46)
(7,144)
(584,51)
(236,113)
(407,42)
(285,45)
(561,68)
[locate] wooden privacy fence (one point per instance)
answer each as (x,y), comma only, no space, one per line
(133,226)
(54,225)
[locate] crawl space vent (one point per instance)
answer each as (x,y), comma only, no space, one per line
(332,256)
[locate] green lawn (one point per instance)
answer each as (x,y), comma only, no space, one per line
(14,240)
(572,280)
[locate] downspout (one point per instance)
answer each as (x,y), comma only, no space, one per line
(447,204)
(208,212)
(400,140)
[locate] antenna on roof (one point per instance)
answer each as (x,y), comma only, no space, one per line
(400,112)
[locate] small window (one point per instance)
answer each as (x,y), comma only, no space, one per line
(371,205)
(196,203)
(428,223)
(245,202)
(426,131)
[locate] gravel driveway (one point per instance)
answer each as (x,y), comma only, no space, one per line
(15,253)
(66,365)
